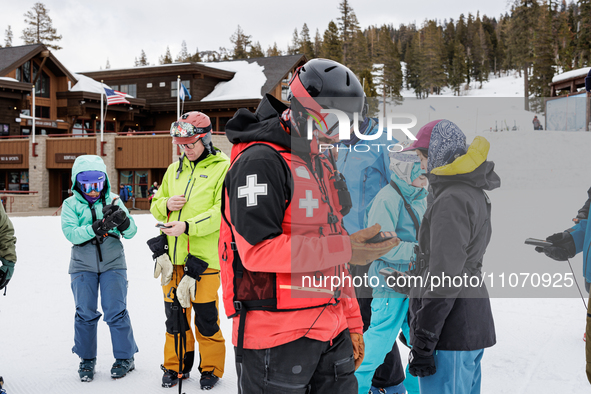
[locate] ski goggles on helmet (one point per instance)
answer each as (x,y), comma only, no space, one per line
(183,130)
(93,186)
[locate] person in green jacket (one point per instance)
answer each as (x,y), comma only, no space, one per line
(7,255)
(189,203)
(7,248)
(94,220)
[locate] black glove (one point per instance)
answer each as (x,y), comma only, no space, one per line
(111,208)
(158,245)
(194,267)
(99,227)
(563,247)
(115,219)
(106,224)
(421,366)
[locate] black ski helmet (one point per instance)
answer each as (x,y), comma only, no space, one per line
(326,84)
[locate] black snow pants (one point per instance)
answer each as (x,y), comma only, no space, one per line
(304,366)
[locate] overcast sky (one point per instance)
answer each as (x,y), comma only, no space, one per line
(94,31)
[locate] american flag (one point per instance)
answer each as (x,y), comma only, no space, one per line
(115,97)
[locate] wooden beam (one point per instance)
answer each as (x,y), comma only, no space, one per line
(40,68)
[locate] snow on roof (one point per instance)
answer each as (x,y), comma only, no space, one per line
(246,84)
(87,84)
(571,74)
(8,79)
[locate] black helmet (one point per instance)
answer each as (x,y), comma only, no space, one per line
(326,84)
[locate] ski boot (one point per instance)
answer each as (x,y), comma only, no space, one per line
(86,369)
(171,378)
(208,380)
(121,367)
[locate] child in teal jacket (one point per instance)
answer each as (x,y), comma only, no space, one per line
(94,220)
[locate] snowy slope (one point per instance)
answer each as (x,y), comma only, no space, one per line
(539,347)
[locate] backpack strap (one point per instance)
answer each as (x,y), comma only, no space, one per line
(408,208)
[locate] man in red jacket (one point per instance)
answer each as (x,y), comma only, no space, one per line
(283,250)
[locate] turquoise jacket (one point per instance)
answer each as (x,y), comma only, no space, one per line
(366,167)
(77,224)
(582,236)
(388,210)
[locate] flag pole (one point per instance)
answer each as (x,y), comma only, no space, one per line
(102,116)
(33,114)
(178,96)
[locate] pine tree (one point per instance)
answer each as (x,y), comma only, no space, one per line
(274,51)
(167,58)
(543,58)
(306,46)
(359,57)
(331,44)
(40,28)
(523,21)
(143,61)
(183,55)
(433,75)
(564,40)
(387,55)
(457,70)
(317,44)
(196,57)
(295,46)
(8,35)
(348,25)
(584,33)
(241,42)
(414,66)
(256,50)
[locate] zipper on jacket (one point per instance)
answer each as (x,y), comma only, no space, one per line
(176,239)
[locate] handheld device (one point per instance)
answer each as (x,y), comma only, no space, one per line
(381,237)
(538,242)
(388,271)
(162,225)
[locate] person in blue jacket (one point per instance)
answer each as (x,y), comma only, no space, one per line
(566,245)
(94,220)
(389,308)
(365,164)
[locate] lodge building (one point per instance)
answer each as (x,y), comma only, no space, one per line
(569,106)
(35,168)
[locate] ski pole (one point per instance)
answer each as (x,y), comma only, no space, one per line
(577,283)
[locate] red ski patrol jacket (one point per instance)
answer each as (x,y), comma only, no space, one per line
(283,251)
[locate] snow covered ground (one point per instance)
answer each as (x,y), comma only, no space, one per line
(545,176)
(540,349)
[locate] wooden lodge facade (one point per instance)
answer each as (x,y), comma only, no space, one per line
(35,171)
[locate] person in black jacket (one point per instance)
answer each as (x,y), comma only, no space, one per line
(451,323)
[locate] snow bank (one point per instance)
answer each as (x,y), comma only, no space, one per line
(246,84)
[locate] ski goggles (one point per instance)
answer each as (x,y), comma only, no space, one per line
(184,130)
(90,187)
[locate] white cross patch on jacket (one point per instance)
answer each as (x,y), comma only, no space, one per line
(309,204)
(252,190)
